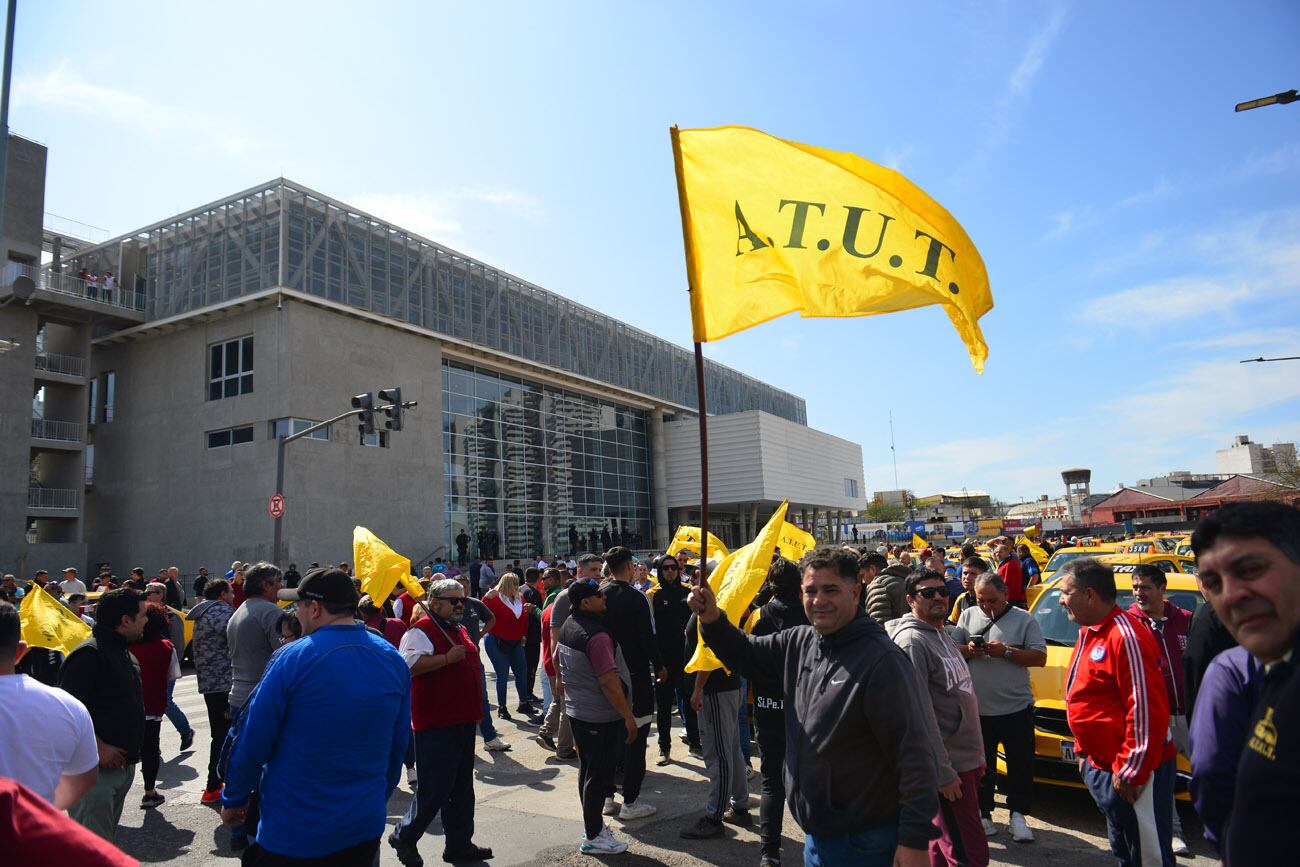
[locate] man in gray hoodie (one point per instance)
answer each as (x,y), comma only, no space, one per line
(212,667)
(952,719)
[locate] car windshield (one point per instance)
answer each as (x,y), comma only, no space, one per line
(1060,558)
(1060,630)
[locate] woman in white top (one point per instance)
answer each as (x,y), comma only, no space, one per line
(505,641)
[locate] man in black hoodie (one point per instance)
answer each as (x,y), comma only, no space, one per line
(668,602)
(860,776)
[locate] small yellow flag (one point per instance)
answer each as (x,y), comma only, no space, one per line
(45,622)
(773,226)
(1036,551)
(794,542)
(688,539)
(737,580)
(918,543)
(380,568)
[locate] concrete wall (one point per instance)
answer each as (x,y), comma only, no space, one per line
(162,497)
(17,323)
(24,198)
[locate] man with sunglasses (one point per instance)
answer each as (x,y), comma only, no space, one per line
(671,613)
(953,720)
(446,705)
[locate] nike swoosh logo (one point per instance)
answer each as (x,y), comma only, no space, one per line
(838,682)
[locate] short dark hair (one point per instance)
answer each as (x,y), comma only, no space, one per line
(616,558)
(257,576)
(783,578)
(1090,573)
(553,574)
(294,626)
(866,561)
(1276,523)
(976,563)
(531,574)
(77,597)
(1152,571)
(11,630)
(843,562)
(588,558)
(967,550)
(155,622)
(116,604)
(215,587)
(914,580)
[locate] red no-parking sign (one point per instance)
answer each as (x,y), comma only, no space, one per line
(276,506)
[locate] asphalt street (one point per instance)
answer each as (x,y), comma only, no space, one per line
(527,811)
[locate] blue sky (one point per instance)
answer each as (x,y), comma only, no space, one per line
(1140,237)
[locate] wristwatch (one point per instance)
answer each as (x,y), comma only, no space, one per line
(1006,654)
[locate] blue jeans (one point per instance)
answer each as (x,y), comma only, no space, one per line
(505,661)
(485,726)
(175,714)
(1127,824)
(547,695)
(871,848)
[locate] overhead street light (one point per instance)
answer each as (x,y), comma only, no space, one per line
(1262,358)
(1283,98)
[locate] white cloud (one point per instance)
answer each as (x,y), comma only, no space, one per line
(1160,190)
(517,201)
(425,215)
(1262,339)
(1283,160)
(65,89)
(1206,396)
(1162,302)
(896,157)
(1074,219)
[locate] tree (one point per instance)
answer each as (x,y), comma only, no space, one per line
(880,512)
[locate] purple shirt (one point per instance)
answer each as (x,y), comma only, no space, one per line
(1220,720)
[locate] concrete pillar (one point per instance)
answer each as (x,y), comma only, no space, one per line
(660,530)
(813,530)
(753,521)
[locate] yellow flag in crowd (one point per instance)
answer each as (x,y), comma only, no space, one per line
(773,226)
(918,543)
(688,539)
(47,623)
(1039,555)
(737,580)
(380,568)
(794,542)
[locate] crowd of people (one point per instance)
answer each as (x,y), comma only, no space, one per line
(878,688)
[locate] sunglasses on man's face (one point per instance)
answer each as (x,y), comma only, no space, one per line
(454,600)
(932,592)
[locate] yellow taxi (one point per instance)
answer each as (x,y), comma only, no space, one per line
(93,597)
(1054,759)
(1064,555)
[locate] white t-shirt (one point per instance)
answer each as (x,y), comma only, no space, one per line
(50,734)
(73,585)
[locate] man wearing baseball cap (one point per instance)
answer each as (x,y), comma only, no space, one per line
(71,583)
(338,684)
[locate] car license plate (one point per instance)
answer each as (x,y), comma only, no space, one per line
(1067,752)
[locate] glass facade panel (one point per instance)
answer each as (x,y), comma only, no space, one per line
(516,489)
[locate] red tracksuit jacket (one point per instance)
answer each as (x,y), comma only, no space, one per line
(1115,698)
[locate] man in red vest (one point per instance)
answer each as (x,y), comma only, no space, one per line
(446,705)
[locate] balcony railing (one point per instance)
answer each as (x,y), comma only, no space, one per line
(53,498)
(67,365)
(60,431)
(71,284)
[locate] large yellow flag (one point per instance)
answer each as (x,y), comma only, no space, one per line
(380,568)
(737,580)
(47,623)
(918,543)
(794,542)
(688,539)
(773,226)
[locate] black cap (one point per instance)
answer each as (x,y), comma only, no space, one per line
(330,586)
(583,588)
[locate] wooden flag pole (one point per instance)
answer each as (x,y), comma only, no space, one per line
(689,247)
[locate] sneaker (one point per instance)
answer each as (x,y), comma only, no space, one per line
(504,713)
(770,861)
(496,745)
(739,818)
(664,758)
(637,810)
(148,802)
(187,740)
(1180,846)
(570,756)
(526,708)
(703,829)
(468,852)
(695,750)
(990,830)
(547,741)
(1020,829)
(410,776)
(602,844)
(611,807)
(211,797)
(406,852)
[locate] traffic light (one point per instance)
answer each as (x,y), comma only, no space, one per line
(391,400)
(365,403)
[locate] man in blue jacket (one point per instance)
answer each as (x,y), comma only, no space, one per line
(324,737)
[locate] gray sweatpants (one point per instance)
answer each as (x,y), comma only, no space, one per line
(723,760)
(557,724)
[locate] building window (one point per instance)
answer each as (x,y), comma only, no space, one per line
(851,488)
(110,394)
(378,439)
(283,427)
(230,368)
(93,409)
(231,436)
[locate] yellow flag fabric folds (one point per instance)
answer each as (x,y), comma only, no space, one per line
(794,542)
(1039,555)
(918,543)
(380,568)
(47,623)
(688,539)
(737,580)
(773,226)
